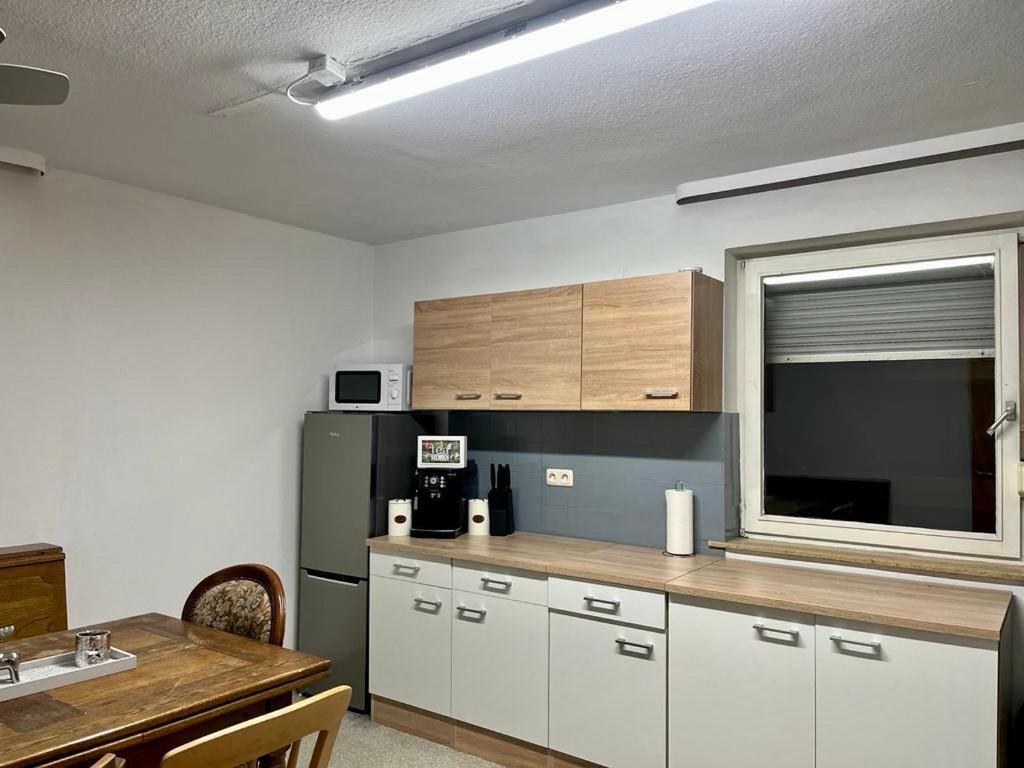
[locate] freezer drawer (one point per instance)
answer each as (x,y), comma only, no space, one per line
(332,625)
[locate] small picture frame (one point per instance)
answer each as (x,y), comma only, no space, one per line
(441,452)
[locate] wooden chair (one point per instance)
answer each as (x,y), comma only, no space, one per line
(246,600)
(245,743)
(109,761)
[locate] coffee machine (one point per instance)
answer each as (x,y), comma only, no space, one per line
(439,506)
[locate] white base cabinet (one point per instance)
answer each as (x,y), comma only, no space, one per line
(411,643)
(890,698)
(741,686)
(608,692)
(500,666)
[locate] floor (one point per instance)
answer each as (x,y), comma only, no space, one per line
(364,744)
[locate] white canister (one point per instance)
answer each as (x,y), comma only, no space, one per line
(479,517)
(399,517)
(679,521)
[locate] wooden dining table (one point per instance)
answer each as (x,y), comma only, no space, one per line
(189,681)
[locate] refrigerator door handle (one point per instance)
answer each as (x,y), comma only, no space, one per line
(339,582)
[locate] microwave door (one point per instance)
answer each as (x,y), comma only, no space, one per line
(359,389)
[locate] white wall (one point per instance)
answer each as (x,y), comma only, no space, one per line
(157,358)
(655,235)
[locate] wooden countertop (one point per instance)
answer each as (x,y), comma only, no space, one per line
(631,566)
(990,570)
(894,602)
(642,567)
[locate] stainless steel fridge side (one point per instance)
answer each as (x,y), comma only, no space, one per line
(337,507)
(333,625)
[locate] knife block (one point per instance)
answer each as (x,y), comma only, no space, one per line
(499,500)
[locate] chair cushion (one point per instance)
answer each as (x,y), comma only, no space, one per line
(241,607)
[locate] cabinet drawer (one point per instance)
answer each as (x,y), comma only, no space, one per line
(500,665)
(607,700)
(626,604)
(411,643)
(422,569)
(525,586)
(893,698)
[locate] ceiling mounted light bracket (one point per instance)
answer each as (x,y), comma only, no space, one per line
(323,75)
(528,32)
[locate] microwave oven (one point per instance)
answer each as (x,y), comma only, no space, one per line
(371,387)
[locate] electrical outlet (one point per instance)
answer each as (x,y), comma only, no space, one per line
(559,477)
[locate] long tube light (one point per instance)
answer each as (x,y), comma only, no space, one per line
(553,34)
(881,269)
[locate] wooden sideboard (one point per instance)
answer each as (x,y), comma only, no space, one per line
(33,595)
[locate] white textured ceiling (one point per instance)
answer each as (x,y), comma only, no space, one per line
(732,86)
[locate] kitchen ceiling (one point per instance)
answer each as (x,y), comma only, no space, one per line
(729,87)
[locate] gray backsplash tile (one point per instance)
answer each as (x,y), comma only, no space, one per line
(623,463)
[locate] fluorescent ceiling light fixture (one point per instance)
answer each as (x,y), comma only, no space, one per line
(881,269)
(560,34)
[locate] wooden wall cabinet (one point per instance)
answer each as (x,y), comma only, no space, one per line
(452,354)
(644,343)
(653,343)
(33,595)
(536,341)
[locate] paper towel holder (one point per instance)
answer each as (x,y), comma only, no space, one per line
(679,487)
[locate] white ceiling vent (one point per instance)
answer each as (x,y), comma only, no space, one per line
(19,158)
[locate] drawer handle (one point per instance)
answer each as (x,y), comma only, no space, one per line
(601,604)
(793,632)
(468,396)
(661,394)
(874,645)
(624,645)
(488,582)
(434,605)
(508,395)
(412,570)
(479,613)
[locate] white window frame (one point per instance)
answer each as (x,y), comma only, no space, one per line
(1006,542)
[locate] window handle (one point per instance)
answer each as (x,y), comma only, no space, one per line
(1009,414)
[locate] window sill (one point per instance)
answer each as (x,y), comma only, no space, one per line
(1008,571)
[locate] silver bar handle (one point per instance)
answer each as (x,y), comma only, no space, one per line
(625,645)
(503,583)
(838,639)
(508,395)
(468,396)
(761,628)
(1009,414)
(661,394)
(463,610)
(595,603)
(420,602)
(412,570)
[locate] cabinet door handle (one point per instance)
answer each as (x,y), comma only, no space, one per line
(596,603)
(875,645)
(478,612)
(489,582)
(508,395)
(661,394)
(412,570)
(761,628)
(433,604)
(468,396)
(625,645)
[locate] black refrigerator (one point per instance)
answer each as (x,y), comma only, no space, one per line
(352,464)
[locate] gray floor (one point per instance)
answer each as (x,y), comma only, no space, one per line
(364,744)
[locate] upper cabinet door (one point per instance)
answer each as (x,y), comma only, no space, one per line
(535,349)
(653,343)
(452,354)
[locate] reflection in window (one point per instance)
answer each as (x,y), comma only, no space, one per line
(878,389)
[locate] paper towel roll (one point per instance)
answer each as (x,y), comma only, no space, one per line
(399,517)
(479,517)
(679,521)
